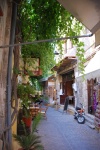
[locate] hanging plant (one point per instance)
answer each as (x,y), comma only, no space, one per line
(46,20)
(81,60)
(25,90)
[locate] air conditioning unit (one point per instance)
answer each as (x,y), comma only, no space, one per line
(74,86)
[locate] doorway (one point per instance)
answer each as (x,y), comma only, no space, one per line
(67,81)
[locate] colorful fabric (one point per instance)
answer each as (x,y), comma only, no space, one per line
(94,101)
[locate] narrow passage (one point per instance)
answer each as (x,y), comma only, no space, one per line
(62,132)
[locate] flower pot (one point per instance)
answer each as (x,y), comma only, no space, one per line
(22,149)
(27,121)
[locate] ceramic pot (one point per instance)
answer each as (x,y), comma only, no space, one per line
(27,121)
(22,149)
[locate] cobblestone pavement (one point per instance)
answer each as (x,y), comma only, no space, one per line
(61,132)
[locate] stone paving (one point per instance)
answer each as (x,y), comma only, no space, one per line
(61,132)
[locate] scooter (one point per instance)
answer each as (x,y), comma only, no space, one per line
(79,114)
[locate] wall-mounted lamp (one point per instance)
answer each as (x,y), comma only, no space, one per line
(56,53)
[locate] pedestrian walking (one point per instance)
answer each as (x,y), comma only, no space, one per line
(66,103)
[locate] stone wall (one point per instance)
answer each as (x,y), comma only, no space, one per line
(82,96)
(5,23)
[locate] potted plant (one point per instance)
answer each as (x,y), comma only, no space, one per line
(27,119)
(24,92)
(30,141)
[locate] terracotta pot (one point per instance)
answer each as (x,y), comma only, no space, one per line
(22,149)
(27,121)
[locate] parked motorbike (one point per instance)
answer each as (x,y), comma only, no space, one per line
(79,114)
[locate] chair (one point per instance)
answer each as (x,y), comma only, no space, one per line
(43,111)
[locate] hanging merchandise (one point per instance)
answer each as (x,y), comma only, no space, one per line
(97,118)
(97,113)
(94,100)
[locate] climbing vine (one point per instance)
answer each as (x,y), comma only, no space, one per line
(47,20)
(80,55)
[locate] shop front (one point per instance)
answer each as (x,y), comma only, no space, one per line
(88,89)
(93,95)
(64,80)
(67,82)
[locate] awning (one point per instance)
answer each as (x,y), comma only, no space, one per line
(43,79)
(97,37)
(47,78)
(86,11)
(66,62)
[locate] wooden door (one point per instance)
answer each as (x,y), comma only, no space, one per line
(68,88)
(62,99)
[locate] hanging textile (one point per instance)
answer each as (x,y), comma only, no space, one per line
(94,101)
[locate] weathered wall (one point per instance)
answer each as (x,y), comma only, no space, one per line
(58,82)
(82,96)
(5,23)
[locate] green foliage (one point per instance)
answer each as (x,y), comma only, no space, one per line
(31,140)
(24,92)
(36,122)
(36,84)
(80,54)
(45,20)
(16,71)
(46,97)
(26,111)
(26,142)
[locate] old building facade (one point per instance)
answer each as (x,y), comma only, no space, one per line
(87,91)
(5,25)
(70,82)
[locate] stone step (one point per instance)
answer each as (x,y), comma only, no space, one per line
(90,125)
(89,119)
(90,116)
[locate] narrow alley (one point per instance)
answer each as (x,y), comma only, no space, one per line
(61,132)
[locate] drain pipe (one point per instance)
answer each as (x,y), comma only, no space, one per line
(9,70)
(47,40)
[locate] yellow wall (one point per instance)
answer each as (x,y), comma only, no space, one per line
(15,145)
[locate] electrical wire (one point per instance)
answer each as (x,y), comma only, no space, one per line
(46,40)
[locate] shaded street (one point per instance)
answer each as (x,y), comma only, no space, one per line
(61,132)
